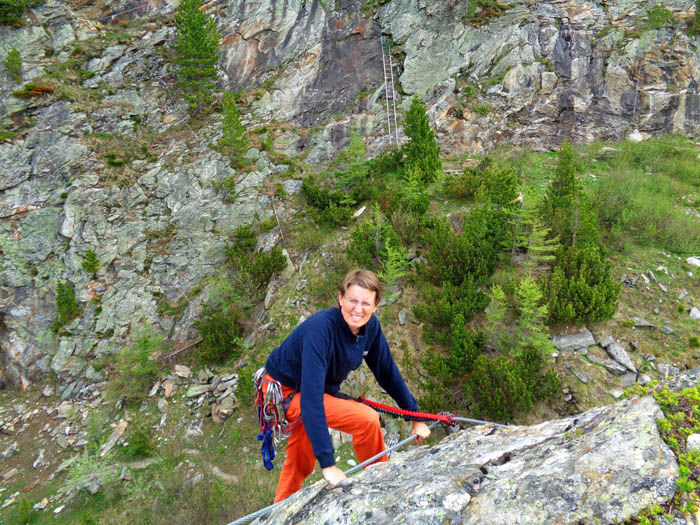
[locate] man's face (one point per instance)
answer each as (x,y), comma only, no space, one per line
(357,306)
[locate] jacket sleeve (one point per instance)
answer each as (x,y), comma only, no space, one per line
(314,364)
(383,366)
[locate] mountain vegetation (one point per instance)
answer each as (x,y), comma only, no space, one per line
(484,258)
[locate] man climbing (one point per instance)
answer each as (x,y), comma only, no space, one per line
(310,365)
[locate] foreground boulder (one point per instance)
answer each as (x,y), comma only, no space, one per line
(608,463)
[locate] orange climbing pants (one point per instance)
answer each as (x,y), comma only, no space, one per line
(351,417)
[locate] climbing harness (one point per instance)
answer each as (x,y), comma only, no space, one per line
(272,408)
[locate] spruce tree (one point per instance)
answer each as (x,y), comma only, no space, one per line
(233,142)
(196,46)
(421,151)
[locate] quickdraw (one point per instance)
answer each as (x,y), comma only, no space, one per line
(272,407)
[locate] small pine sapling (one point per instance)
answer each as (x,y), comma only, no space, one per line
(233,142)
(66,305)
(394,264)
(421,150)
(535,238)
(530,329)
(91,264)
(13,65)
(496,311)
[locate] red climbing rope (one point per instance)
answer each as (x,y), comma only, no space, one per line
(408,414)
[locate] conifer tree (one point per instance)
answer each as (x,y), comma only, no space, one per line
(233,142)
(532,234)
(196,46)
(13,65)
(91,264)
(531,330)
(561,204)
(421,150)
(581,287)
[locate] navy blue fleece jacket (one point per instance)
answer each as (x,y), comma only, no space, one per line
(319,355)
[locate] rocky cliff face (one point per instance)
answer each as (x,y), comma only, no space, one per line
(581,70)
(107,162)
(604,465)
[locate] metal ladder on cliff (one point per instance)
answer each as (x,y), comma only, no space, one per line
(389,93)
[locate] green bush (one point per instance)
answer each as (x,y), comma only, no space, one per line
(66,305)
(135,368)
(658,17)
(442,305)
(475,252)
(245,389)
(488,182)
(221,331)
(694,341)
(333,206)
(266,264)
(503,387)
(140,442)
(580,288)
(259,266)
(407,225)
(469,181)
(11,11)
(370,241)
(482,109)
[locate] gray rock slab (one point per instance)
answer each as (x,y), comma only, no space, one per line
(667,370)
(608,464)
(606,341)
(640,322)
(577,341)
(620,355)
(610,365)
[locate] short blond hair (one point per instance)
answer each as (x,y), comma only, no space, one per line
(363,279)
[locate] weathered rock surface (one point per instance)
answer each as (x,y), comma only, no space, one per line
(578,341)
(608,464)
(620,355)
